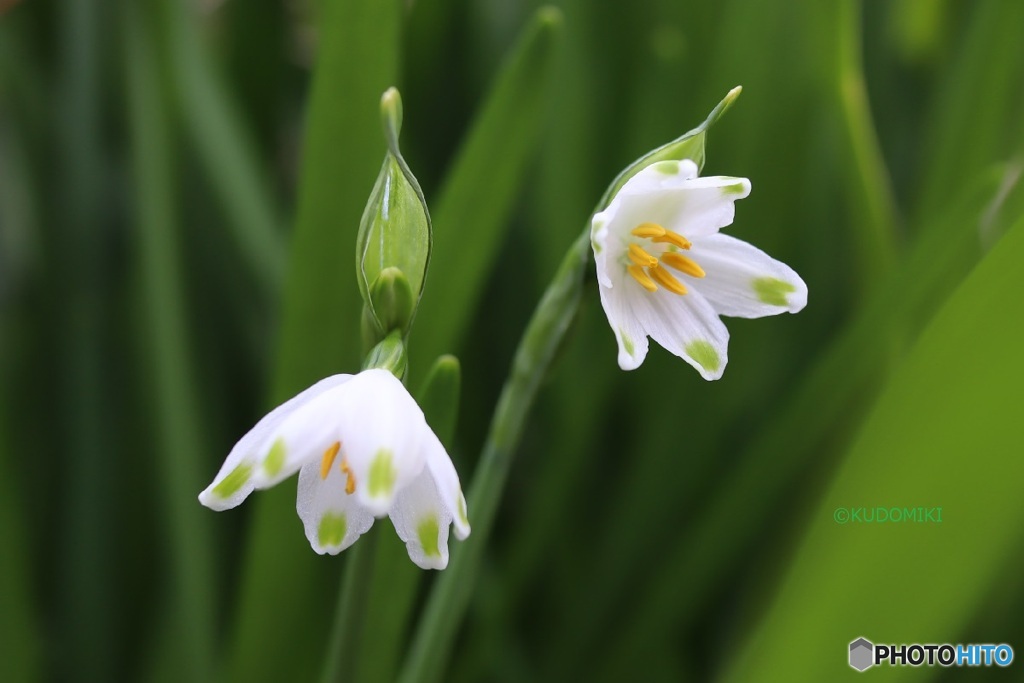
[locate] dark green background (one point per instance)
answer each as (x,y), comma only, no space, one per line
(180,191)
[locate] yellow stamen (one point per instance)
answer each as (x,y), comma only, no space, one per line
(673,238)
(683,264)
(640,276)
(328,459)
(640,257)
(350,483)
(666,280)
(648,230)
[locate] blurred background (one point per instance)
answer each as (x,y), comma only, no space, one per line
(180,189)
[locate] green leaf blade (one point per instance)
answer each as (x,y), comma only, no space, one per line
(946,427)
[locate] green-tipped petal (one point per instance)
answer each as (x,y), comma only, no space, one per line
(235,480)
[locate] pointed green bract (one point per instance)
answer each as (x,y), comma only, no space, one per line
(688,146)
(394,233)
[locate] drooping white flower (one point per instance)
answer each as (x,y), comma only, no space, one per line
(362,449)
(666,272)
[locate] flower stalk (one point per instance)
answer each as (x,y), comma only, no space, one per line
(447,602)
(343,647)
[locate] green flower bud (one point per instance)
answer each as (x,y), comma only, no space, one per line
(439,397)
(389,354)
(392,300)
(393,247)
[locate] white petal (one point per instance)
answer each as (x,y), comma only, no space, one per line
(743,281)
(381,428)
(659,176)
(629,334)
(687,326)
(332,518)
(640,196)
(603,249)
(234,481)
(421,520)
(690,206)
(302,437)
(446,479)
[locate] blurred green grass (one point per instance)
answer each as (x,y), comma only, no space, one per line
(180,188)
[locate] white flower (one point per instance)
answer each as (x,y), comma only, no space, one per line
(666,272)
(362,449)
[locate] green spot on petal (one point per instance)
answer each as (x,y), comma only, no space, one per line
(230,484)
(463,517)
(627,343)
(597,247)
(670,167)
(331,531)
(382,474)
(427,531)
(275,458)
(704,353)
(773,291)
(735,188)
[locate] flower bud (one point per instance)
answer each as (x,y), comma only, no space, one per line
(389,354)
(393,247)
(392,300)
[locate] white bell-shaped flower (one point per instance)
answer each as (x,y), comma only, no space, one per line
(363,450)
(665,271)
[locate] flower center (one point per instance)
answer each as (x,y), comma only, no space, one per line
(650,271)
(327,461)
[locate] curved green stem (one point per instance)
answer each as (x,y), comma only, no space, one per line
(447,602)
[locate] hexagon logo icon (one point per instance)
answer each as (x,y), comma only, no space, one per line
(862,653)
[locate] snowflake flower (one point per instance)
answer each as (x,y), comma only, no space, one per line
(666,272)
(363,450)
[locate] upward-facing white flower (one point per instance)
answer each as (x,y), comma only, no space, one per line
(362,449)
(666,272)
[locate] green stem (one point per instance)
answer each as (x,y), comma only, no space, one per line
(343,648)
(447,602)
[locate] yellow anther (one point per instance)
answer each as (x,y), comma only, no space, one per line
(640,257)
(350,482)
(684,264)
(673,238)
(666,280)
(649,230)
(327,461)
(640,276)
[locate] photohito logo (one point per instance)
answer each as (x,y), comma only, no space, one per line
(864,654)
